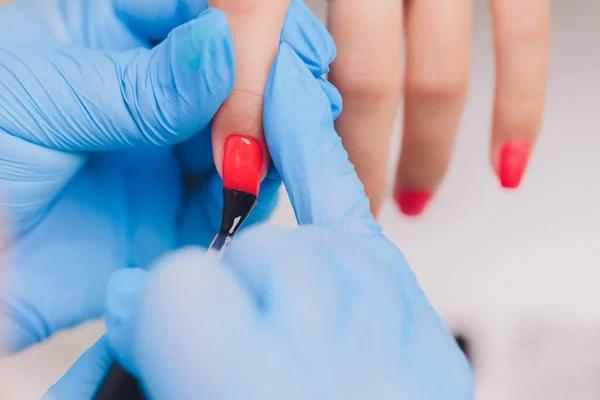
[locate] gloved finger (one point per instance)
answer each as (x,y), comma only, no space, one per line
(201,218)
(31,176)
(280,276)
(206,325)
(76,246)
(302,30)
(86,100)
(368,287)
(82,380)
(437,75)
(154,19)
(522,43)
(308,153)
(367,71)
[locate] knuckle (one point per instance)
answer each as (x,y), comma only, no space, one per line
(242,112)
(524,122)
(368,82)
(438,84)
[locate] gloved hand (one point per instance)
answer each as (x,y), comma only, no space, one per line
(91,178)
(330,310)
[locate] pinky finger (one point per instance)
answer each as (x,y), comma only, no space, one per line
(522,44)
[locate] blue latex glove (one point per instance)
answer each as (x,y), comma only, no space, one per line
(83,93)
(330,310)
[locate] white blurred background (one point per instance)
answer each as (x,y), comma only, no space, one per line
(518,274)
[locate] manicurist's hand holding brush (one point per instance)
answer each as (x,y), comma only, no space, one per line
(123,125)
(330,310)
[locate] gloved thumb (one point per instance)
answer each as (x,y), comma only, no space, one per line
(175,327)
(73,99)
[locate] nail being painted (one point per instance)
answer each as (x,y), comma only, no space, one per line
(242,163)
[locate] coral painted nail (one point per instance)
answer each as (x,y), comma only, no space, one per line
(412,202)
(513,160)
(242,163)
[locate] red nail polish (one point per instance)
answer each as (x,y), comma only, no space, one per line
(412,202)
(513,160)
(242,164)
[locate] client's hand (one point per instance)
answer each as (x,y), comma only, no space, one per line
(90,176)
(330,310)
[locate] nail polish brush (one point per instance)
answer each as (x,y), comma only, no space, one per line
(242,166)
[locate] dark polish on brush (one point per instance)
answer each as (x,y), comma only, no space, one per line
(242,166)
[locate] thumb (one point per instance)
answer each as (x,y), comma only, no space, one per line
(314,166)
(74,99)
(193,323)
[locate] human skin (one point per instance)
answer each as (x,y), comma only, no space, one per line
(370,34)
(256,27)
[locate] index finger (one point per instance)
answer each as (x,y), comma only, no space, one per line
(308,153)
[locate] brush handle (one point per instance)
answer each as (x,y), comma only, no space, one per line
(118,384)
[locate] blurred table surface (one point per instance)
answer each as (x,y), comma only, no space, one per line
(516,272)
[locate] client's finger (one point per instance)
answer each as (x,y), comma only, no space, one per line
(85,100)
(522,43)
(310,40)
(205,322)
(437,72)
(367,72)
(31,176)
(256,28)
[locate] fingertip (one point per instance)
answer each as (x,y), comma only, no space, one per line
(412,202)
(513,159)
(201,53)
(243,164)
(210,43)
(174,91)
(197,312)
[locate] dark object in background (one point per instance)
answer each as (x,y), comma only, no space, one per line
(464,344)
(118,384)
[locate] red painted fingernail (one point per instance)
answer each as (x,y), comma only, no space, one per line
(513,160)
(412,202)
(242,164)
